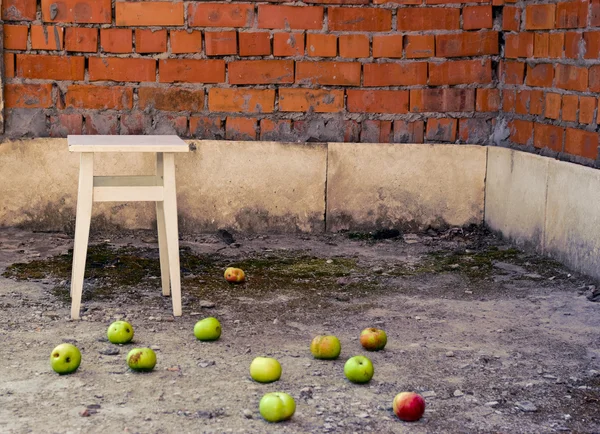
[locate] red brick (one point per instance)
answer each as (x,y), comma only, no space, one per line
(116,40)
(569,108)
(288,44)
(587,106)
(191,71)
(65,124)
(442,100)
(241,100)
(467,44)
(168,123)
(387,46)
(511,18)
(529,102)
(50,67)
(441,130)
(595,16)
(275,129)
(171,99)
(47,37)
(149,13)
(81,39)
(354,46)
(556,43)
(121,69)
(539,17)
(572,44)
(487,100)
(78,11)
(477,17)
(101,123)
(540,75)
(136,123)
(571,77)
(375,131)
(220,14)
(419,19)
(18,95)
(521,132)
(572,14)
(290,17)
(541,44)
(509,100)
(592,45)
(395,74)
(419,46)
(519,45)
(9,65)
(362,19)
(474,130)
(210,128)
(311,100)
(328,73)
(594,78)
(377,101)
(15,37)
(548,136)
(582,143)
(408,132)
(240,128)
(393,2)
(321,45)
(185,41)
(261,71)
(351,131)
(552,106)
(255,43)
(99,97)
(220,43)
(19,10)
(513,72)
(460,72)
(149,41)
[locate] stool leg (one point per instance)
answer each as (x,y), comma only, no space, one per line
(170,210)
(162,232)
(82,229)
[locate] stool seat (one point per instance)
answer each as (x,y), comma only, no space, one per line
(159,188)
(126,144)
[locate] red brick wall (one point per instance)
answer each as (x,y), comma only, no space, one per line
(551,77)
(337,70)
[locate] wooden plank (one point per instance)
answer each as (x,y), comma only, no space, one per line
(128,194)
(101,143)
(162,233)
(172,231)
(127,181)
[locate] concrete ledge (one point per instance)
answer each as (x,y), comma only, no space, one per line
(515,196)
(405,186)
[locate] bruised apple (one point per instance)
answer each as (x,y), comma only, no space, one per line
(373,339)
(325,347)
(235,275)
(409,406)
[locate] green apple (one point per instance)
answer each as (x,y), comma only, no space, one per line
(277,406)
(208,329)
(65,358)
(325,347)
(141,359)
(359,369)
(120,332)
(265,369)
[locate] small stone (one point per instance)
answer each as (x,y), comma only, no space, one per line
(363,415)
(377,269)
(458,393)
(429,394)
(275,321)
(491,403)
(207,304)
(468,292)
(110,351)
(247,413)
(155,347)
(418,318)
(533,276)
(526,406)
(454,266)
(450,354)
(329,261)
(206,364)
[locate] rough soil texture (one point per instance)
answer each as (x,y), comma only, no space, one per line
(495,339)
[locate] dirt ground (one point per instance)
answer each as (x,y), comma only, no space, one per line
(495,339)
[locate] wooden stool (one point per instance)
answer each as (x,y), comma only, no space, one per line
(159,188)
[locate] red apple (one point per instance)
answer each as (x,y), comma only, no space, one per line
(373,339)
(409,406)
(234,275)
